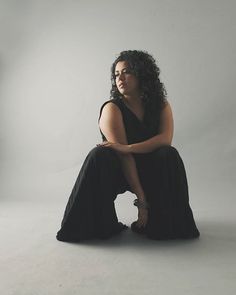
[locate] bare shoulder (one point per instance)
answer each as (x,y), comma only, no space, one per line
(167,121)
(166,108)
(110,114)
(166,103)
(110,108)
(111,123)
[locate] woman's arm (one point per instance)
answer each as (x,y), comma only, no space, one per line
(164,138)
(112,126)
(131,175)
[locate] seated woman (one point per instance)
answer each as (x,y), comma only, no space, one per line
(136,125)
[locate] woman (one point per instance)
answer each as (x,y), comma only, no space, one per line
(136,125)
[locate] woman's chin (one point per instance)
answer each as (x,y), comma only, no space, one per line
(124,92)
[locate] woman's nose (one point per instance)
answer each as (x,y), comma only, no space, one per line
(121,77)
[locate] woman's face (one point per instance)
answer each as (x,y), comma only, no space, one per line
(126,82)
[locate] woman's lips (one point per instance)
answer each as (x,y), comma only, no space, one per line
(122,85)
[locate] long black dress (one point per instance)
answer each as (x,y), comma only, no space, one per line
(90,211)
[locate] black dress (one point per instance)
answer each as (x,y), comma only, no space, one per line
(90,211)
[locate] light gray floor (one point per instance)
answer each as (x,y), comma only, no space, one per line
(34,262)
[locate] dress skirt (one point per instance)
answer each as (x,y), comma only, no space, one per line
(90,211)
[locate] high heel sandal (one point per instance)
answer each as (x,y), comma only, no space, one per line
(139,230)
(134,227)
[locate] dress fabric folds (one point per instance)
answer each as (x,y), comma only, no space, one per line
(90,211)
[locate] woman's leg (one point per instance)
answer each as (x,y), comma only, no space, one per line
(90,211)
(165,182)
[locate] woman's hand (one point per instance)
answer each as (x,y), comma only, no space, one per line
(122,148)
(142,217)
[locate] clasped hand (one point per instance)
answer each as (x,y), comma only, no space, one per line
(122,148)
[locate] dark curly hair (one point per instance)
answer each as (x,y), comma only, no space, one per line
(153,92)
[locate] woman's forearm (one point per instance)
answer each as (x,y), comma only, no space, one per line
(130,172)
(149,145)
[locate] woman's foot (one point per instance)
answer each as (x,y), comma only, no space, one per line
(137,229)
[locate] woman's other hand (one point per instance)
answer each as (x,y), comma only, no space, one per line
(122,148)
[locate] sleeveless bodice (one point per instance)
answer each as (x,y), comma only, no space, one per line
(136,130)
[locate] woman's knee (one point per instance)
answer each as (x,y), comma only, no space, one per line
(107,161)
(166,150)
(102,153)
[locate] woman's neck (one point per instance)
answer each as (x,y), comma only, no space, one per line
(133,100)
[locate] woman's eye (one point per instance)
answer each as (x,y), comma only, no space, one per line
(125,72)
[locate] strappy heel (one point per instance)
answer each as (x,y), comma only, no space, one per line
(138,230)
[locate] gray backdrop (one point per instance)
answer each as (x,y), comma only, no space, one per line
(55,73)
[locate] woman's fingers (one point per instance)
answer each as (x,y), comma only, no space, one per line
(102,143)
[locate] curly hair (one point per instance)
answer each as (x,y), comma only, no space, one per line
(153,92)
